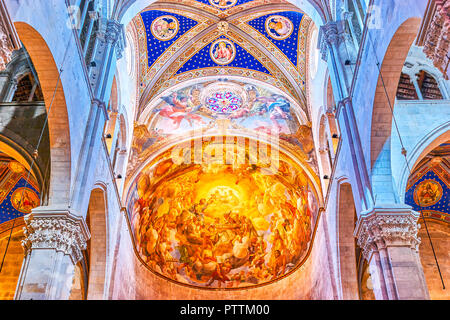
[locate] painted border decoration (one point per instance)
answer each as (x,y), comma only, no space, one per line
(165,28)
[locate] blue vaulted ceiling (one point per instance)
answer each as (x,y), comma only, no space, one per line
(281,63)
(288,46)
(157,47)
(202,59)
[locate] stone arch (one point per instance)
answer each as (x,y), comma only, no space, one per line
(423,147)
(97,246)
(58,121)
(391,69)
(346,220)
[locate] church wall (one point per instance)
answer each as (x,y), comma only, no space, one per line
(103,180)
(310,281)
(440,235)
(393,14)
(343,173)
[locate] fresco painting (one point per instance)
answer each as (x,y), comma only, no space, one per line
(236,107)
(222,226)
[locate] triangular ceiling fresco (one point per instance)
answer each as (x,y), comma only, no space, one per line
(185,40)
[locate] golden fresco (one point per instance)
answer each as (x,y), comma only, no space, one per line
(230,224)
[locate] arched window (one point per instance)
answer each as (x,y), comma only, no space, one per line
(429,87)
(406,89)
(28,90)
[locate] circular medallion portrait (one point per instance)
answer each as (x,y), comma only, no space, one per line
(223,51)
(279,27)
(24,200)
(427,193)
(165,28)
(225,102)
(222,4)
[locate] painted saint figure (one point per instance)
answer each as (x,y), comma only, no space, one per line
(223,52)
(164,28)
(279,27)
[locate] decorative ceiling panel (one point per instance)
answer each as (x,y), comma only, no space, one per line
(18,195)
(428,188)
(282,29)
(163,29)
(260,40)
(223,52)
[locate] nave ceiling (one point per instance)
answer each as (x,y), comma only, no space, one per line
(260,40)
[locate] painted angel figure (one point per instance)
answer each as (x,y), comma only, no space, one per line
(223,52)
(281,26)
(177,109)
(164,29)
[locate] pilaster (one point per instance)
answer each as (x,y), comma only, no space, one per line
(388,239)
(53,245)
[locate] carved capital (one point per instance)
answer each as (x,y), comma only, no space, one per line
(328,35)
(387,227)
(331,33)
(115,35)
(58,230)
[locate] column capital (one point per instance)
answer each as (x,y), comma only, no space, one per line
(58,229)
(328,35)
(382,227)
(101,105)
(115,35)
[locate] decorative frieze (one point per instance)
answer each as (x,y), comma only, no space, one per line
(385,227)
(9,41)
(116,36)
(60,231)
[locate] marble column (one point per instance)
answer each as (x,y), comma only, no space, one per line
(388,239)
(53,245)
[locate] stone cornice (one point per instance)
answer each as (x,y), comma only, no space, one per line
(48,228)
(387,227)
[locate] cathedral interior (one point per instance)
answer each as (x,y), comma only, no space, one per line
(224,149)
